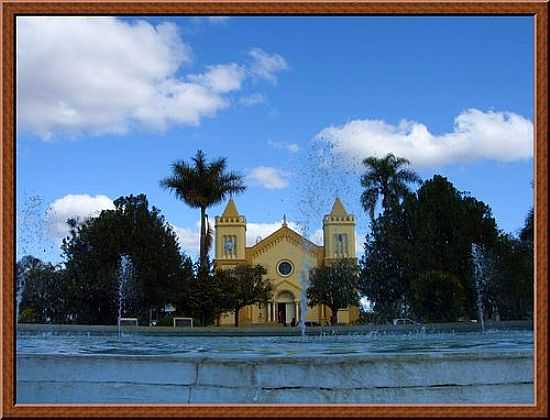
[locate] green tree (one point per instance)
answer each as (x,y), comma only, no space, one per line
(437,296)
(511,286)
(444,224)
(203,296)
(388,263)
(244,285)
(43,292)
(431,230)
(93,251)
(388,178)
(335,286)
(200,185)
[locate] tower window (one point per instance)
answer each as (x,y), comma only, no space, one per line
(229,245)
(341,244)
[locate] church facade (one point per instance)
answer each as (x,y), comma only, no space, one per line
(284,254)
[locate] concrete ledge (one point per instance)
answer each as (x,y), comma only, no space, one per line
(213,394)
(231,373)
(397,372)
(501,394)
(84,368)
(491,377)
(100,392)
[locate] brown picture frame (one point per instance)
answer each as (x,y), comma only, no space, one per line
(10,9)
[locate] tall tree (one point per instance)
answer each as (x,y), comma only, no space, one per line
(203,296)
(511,286)
(430,231)
(387,266)
(445,223)
(335,286)
(202,184)
(388,178)
(244,285)
(93,252)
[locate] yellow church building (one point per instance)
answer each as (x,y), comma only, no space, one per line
(283,255)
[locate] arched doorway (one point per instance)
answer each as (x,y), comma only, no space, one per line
(286,308)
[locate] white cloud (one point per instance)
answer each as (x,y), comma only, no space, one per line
(254,99)
(189,239)
(77,206)
(268,177)
(477,135)
(317,237)
(290,147)
(222,78)
(265,65)
(258,231)
(218,19)
(97,75)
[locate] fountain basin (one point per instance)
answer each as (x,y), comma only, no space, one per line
(79,364)
(473,378)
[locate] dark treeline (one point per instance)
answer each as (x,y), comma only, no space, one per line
(418,256)
(85,289)
(417,261)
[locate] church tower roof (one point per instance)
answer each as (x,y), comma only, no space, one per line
(338,209)
(230,209)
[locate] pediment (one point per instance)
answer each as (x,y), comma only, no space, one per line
(284,235)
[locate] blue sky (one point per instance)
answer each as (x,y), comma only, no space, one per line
(106,105)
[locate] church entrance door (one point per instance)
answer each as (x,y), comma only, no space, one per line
(281,313)
(286,307)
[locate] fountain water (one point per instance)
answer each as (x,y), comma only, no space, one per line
(31,240)
(20,286)
(323,177)
(304,280)
(124,274)
(478,277)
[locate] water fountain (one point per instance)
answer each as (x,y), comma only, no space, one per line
(32,240)
(304,281)
(20,286)
(124,274)
(478,277)
(323,177)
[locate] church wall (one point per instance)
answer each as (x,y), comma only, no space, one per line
(287,251)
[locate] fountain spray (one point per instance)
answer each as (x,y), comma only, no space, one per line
(124,273)
(304,280)
(478,274)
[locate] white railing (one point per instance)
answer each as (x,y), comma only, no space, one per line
(128,322)
(183,322)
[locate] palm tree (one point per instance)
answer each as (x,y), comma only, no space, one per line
(388,178)
(201,185)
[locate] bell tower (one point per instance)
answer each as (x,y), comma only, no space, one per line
(230,236)
(339,233)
